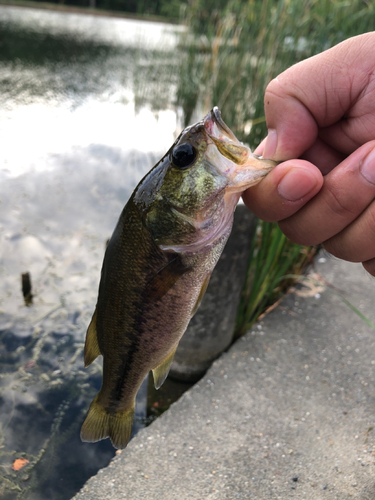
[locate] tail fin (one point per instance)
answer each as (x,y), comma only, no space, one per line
(99,424)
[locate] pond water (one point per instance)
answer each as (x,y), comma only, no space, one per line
(86,108)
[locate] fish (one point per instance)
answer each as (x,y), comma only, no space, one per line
(158,263)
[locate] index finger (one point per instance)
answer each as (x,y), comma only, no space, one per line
(323,95)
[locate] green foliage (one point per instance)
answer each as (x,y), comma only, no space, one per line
(233,48)
(274,264)
(229,53)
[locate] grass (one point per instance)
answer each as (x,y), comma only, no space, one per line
(274,264)
(230,51)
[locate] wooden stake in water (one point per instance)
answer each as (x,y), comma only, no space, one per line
(27,288)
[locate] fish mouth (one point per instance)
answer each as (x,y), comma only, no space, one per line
(217,128)
(244,168)
(224,139)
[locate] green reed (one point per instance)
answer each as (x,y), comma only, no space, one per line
(229,53)
(274,263)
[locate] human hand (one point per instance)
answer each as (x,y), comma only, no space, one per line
(320,115)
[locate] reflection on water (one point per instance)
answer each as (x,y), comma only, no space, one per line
(78,129)
(73,88)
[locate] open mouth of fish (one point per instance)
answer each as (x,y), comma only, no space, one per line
(244,168)
(216,127)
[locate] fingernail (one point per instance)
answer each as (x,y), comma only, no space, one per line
(270,144)
(296,184)
(368,167)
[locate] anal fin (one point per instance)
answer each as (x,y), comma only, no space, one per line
(92,350)
(160,373)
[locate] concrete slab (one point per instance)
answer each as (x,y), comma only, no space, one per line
(287,413)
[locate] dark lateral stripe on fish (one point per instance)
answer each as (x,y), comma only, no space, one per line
(116,393)
(158,286)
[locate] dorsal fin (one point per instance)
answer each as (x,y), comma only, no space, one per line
(92,350)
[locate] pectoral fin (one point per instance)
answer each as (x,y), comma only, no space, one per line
(92,350)
(160,373)
(165,278)
(201,294)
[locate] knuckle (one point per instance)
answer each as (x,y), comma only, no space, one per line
(341,204)
(335,248)
(369,265)
(356,242)
(297,233)
(370,222)
(275,91)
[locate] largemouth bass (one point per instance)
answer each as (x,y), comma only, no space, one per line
(158,263)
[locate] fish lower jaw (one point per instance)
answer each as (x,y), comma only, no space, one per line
(244,178)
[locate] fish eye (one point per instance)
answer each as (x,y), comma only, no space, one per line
(183,156)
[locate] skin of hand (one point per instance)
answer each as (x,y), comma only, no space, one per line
(320,116)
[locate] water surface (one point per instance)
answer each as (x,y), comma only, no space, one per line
(86,108)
